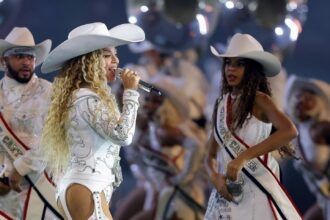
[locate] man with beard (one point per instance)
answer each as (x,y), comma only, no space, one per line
(308,104)
(25,190)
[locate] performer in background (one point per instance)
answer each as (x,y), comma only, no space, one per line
(168,157)
(84,128)
(308,104)
(158,65)
(24,100)
(244,173)
(156,61)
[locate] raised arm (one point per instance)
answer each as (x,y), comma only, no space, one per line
(119,131)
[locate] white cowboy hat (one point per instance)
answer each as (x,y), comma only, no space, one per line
(245,46)
(22,37)
(296,84)
(171,91)
(89,37)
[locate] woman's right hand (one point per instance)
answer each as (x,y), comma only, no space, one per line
(130,79)
(219,182)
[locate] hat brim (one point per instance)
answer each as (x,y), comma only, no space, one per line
(42,49)
(74,47)
(270,63)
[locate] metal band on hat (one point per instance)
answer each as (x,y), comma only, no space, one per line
(20,50)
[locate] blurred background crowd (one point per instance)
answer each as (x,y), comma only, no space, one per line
(178,36)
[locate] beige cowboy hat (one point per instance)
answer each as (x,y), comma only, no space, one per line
(171,91)
(89,37)
(22,37)
(245,46)
(296,84)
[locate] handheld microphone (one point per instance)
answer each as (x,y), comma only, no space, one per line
(142,84)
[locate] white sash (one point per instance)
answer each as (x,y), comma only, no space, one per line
(255,169)
(41,194)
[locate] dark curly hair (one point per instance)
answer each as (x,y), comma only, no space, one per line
(254,80)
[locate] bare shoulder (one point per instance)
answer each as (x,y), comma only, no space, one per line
(268,111)
(263,99)
(264,107)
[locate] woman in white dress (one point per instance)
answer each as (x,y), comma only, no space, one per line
(84,128)
(246,176)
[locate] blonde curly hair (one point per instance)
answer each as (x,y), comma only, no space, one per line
(83,71)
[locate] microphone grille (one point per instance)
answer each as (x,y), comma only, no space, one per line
(118,72)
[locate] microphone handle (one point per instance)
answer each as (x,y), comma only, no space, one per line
(142,84)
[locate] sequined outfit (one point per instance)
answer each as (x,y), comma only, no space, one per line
(94,140)
(24,107)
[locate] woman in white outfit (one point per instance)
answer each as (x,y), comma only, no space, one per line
(246,180)
(84,128)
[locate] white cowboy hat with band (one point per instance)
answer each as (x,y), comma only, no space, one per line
(89,37)
(22,37)
(245,46)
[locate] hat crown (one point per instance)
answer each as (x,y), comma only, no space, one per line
(246,46)
(243,43)
(20,36)
(96,28)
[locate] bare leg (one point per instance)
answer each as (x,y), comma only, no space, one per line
(80,203)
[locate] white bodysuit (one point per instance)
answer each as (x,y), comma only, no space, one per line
(94,142)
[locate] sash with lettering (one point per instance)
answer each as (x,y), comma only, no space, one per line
(255,169)
(41,193)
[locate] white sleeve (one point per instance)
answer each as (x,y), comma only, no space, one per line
(121,131)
